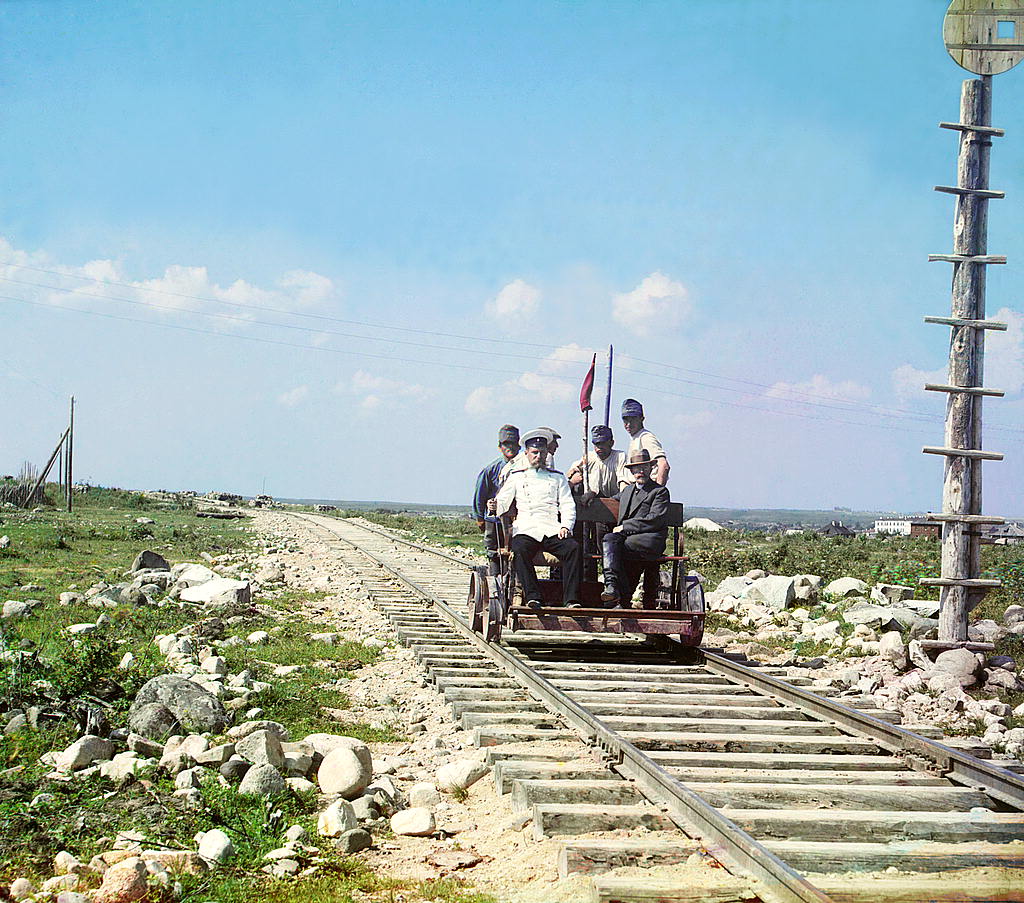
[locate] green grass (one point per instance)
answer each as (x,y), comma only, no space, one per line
(454,532)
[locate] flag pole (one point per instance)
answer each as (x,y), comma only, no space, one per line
(608,393)
(586,462)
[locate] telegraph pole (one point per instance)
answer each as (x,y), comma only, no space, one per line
(985,37)
(70,449)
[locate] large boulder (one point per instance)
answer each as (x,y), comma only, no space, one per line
(733,586)
(846,586)
(775,592)
(192,706)
(187,574)
(261,748)
(343,773)
(149,561)
(961,663)
(806,587)
(219,593)
(879,617)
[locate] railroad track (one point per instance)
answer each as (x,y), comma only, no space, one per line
(799,796)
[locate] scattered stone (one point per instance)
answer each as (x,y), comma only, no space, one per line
(14,609)
(192,706)
(83,752)
(775,592)
(21,888)
(424,794)
(414,822)
(294,834)
(337,818)
(344,772)
(451,860)
(249,727)
(258,638)
(215,845)
(846,586)
(961,663)
(262,780)
(147,560)
(17,723)
(123,882)
(891,593)
(353,840)
(891,648)
(219,593)
(234,769)
(460,774)
(261,747)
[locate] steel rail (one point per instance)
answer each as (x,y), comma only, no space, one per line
(724,839)
(1000,783)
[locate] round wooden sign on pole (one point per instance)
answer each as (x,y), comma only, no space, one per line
(985,36)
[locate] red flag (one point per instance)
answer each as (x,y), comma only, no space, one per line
(588,387)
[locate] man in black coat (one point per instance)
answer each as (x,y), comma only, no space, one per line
(640,534)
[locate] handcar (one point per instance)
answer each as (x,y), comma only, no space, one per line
(672,600)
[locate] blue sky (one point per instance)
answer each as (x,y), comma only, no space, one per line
(276,219)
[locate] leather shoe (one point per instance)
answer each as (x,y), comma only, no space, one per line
(534,603)
(610,593)
(573,604)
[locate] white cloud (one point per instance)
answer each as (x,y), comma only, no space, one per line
(656,303)
(908,381)
(515,305)
(819,387)
(1004,362)
(178,288)
(376,390)
(1004,353)
(293,397)
(553,381)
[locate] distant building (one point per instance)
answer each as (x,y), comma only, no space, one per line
(1004,534)
(907,526)
(702,523)
(836,528)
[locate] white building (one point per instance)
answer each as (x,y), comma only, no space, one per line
(894,526)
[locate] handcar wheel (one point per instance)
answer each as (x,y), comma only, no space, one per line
(494,619)
(477,598)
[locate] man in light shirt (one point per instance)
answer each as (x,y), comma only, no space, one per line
(606,467)
(633,421)
(545,516)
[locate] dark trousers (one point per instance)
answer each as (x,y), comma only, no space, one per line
(568,552)
(589,536)
(491,547)
(626,559)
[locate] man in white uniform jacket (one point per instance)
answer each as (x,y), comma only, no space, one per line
(545,516)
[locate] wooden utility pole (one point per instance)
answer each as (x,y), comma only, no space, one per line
(70,452)
(977,37)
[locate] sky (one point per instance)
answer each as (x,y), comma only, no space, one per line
(325,250)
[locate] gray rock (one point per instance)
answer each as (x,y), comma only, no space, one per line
(326,743)
(249,727)
(14,609)
(150,561)
(337,818)
(1014,614)
(891,648)
(846,586)
(924,629)
(216,755)
(353,840)
(460,774)
(234,770)
(219,593)
(261,748)
(1005,662)
(733,586)
(961,663)
(776,592)
(986,631)
(83,752)
(186,574)
(416,822)
(365,807)
(193,707)
(216,846)
(424,794)
(262,780)
(879,617)
(17,724)
(138,743)
(891,593)
(344,773)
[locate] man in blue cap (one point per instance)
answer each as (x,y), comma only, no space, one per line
(633,421)
(487,486)
(545,516)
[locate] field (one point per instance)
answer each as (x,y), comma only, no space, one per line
(50,552)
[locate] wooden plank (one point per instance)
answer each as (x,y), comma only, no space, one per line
(971,192)
(761,743)
(717,774)
(972,453)
(594,857)
(505,773)
(908,856)
(608,889)
(738,697)
(977,889)
(492,736)
(967,258)
(776,760)
(735,726)
(995,325)
(835,796)
(965,518)
(952,581)
(685,712)
(518,720)
(855,825)
(966,390)
(526,793)
(980,129)
(551,819)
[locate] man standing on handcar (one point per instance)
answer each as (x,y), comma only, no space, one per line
(487,485)
(641,533)
(545,515)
